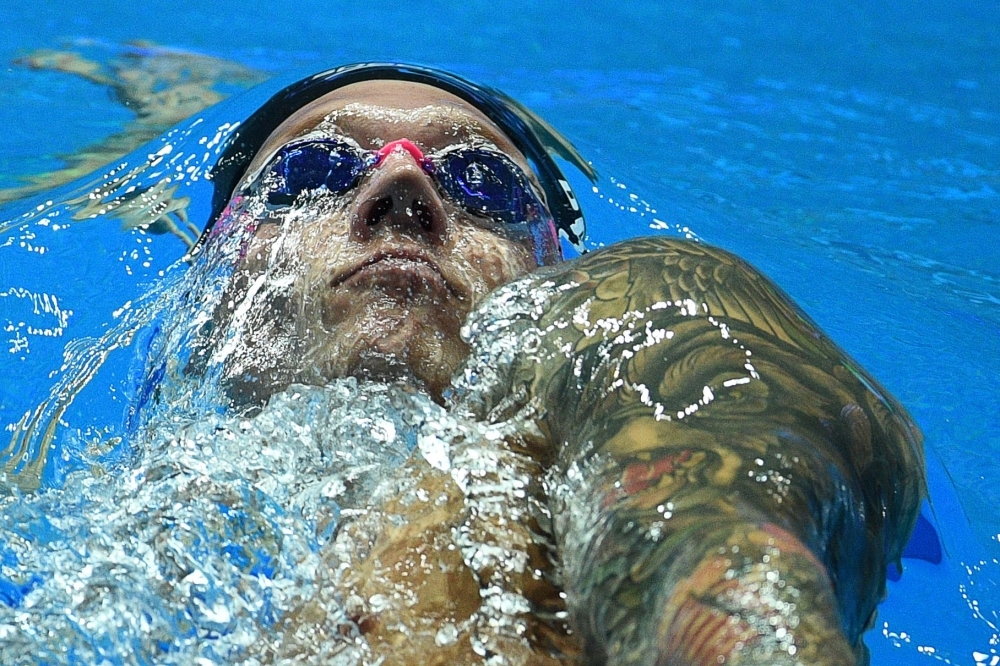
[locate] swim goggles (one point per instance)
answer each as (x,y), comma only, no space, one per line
(536,140)
(480,180)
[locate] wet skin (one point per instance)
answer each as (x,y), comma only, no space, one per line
(377,281)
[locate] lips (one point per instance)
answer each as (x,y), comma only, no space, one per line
(400,273)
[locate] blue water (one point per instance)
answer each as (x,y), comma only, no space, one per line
(846,149)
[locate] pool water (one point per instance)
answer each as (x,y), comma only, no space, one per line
(847,150)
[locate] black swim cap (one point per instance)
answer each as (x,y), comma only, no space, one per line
(533,136)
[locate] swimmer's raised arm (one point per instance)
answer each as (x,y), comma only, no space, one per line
(730,486)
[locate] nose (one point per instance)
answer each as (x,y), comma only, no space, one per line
(401,196)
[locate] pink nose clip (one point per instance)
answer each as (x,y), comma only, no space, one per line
(408,146)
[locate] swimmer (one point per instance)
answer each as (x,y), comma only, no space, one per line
(727,486)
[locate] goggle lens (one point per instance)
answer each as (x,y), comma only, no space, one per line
(315,165)
(484,182)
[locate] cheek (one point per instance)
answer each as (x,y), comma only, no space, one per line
(304,248)
(258,253)
(324,252)
(492,260)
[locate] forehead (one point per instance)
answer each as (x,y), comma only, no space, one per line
(376,112)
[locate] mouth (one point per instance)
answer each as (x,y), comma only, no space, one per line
(397,273)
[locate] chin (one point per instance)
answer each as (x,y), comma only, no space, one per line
(414,348)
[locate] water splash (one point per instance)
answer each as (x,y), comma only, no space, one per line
(206,542)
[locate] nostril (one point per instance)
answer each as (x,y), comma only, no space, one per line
(381,208)
(423,214)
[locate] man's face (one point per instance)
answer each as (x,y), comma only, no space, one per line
(375,281)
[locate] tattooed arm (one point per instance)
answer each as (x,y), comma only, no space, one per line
(729,484)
